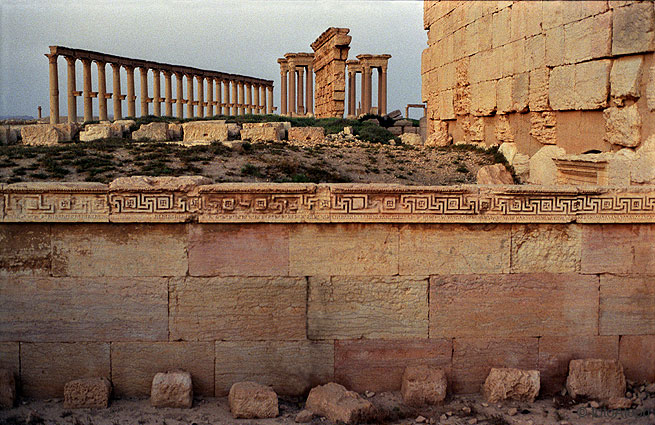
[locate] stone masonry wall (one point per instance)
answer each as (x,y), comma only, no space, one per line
(331,52)
(576,74)
(296,285)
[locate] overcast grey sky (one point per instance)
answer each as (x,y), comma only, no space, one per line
(235,36)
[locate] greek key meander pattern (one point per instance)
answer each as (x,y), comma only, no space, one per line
(324,203)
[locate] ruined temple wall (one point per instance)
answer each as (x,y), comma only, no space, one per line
(578,74)
(330,55)
(295,285)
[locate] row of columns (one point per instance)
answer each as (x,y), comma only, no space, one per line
(297,96)
(364,66)
(246,97)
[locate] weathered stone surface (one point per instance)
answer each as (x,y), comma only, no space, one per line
(41,135)
(521,92)
(486,306)
(542,167)
(367,307)
(439,135)
(650,89)
(454,249)
(633,29)
(133,365)
(473,129)
(642,170)
(619,403)
(494,174)
(509,151)
(544,127)
(172,389)
(282,127)
(504,95)
(378,365)
(623,126)
(307,134)
(10,357)
(122,126)
(626,77)
(637,355)
(87,393)
(619,249)
(24,249)
(154,131)
(423,385)
(210,131)
(588,38)
(174,131)
(290,367)
(46,367)
(411,139)
(128,250)
(503,130)
(538,91)
(330,54)
(156,184)
(7,389)
(260,134)
(343,249)
(336,403)
(555,353)
(552,248)
(93,132)
(473,358)
(304,416)
(592,84)
(560,93)
(511,384)
(45,309)
(626,305)
(251,400)
(237,308)
(5,135)
(595,378)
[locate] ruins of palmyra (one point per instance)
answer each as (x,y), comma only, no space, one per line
(248,94)
(292,68)
(364,65)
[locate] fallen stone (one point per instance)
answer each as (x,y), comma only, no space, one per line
(512,411)
(307,134)
(4,135)
(304,416)
(619,403)
(595,378)
(42,135)
(494,174)
(403,123)
(542,167)
(336,403)
(420,419)
(250,400)
(93,132)
(411,139)
(423,385)
(623,126)
(7,389)
(172,389)
(395,130)
(394,115)
(260,134)
(154,131)
(122,126)
(511,384)
(211,131)
(282,127)
(91,393)
(174,131)
(509,151)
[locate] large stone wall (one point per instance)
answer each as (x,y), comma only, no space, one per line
(330,55)
(576,74)
(295,285)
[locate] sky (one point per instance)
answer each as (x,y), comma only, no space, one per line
(235,36)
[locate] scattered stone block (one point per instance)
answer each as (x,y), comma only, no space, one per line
(122,126)
(511,384)
(336,403)
(4,134)
(394,115)
(542,166)
(174,131)
(85,393)
(395,130)
(423,385)
(260,134)
(595,378)
(304,416)
(411,139)
(7,389)
(623,126)
(282,127)
(619,403)
(101,131)
(509,151)
(172,389)
(251,400)
(154,131)
(494,174)
(307,134)
(41,135)
(210,131)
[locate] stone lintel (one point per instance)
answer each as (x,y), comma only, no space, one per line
(300,59)
(329,34)
(374,61)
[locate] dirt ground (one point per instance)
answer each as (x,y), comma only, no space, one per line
(459,410)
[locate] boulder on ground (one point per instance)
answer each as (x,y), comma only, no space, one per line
(87,393)
(47,134)
(154,131)
(304,416)
(511,384)
(595,378)
(260,134)
(172,389)
(307,134)
(423,385)
(210,131)
(100,131)
(282,127)
(336,403)
(250,400)
(7,389)
(494,174)
(411,139)
(619,403)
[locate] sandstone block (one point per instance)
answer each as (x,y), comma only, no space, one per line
(485,305)
(483,98)
(544,127)
(595,378)
(542,167)
(135,363)
(625,77)
(454,249)
(304,416)
(336,403)
(619,403)
(503,130)
(521,92)
(4,135)
(521,164)
(290,367)
(650,90)
(251,400)
(504,95)
(172,389)
(560,95)
(40,135)
(588,38)
(623,126)
(538,90)
(511,384)
(411,139)
(446,105)
(260,134)
(626,305)
(7,389)
(501,28)
(509,151)
(123,126)
(551,248)
(24,249)
(535,52)
(633,29)
(307,134)
(174,131)
(68,131)
(555,46)
(154,131)
(93,132)
(620,249)
(592,84)
(439,135)
(637,355)
(370,307)
(87,393)
(210,131)
(643,168)
(494,174)
(423,385)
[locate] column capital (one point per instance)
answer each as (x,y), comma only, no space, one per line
(100,62)
(85,61)
(71,60)
(166,72)
(52,58)
(116,66)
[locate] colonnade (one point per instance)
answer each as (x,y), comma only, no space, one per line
(248,95)
(297,97)
(364,65)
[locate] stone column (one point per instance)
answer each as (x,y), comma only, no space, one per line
(240,103)
(366,101)
(54,89)
(116,91)
(72,102)
(362,94)
(144,90)
(102,91)
(168,94)
(310,90)
(352,92)
(248,98)
(209,112)
(292,90)
(86,89)
(382,91)
(201,96)
(283,90)
(269,108)
(219,97)
(257,106)
(156,92)
(301,94)
(131,97)
(235,97)
(189,96)
(179,93)
(262,99)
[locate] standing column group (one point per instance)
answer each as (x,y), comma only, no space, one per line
(364,66)
(297,92)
